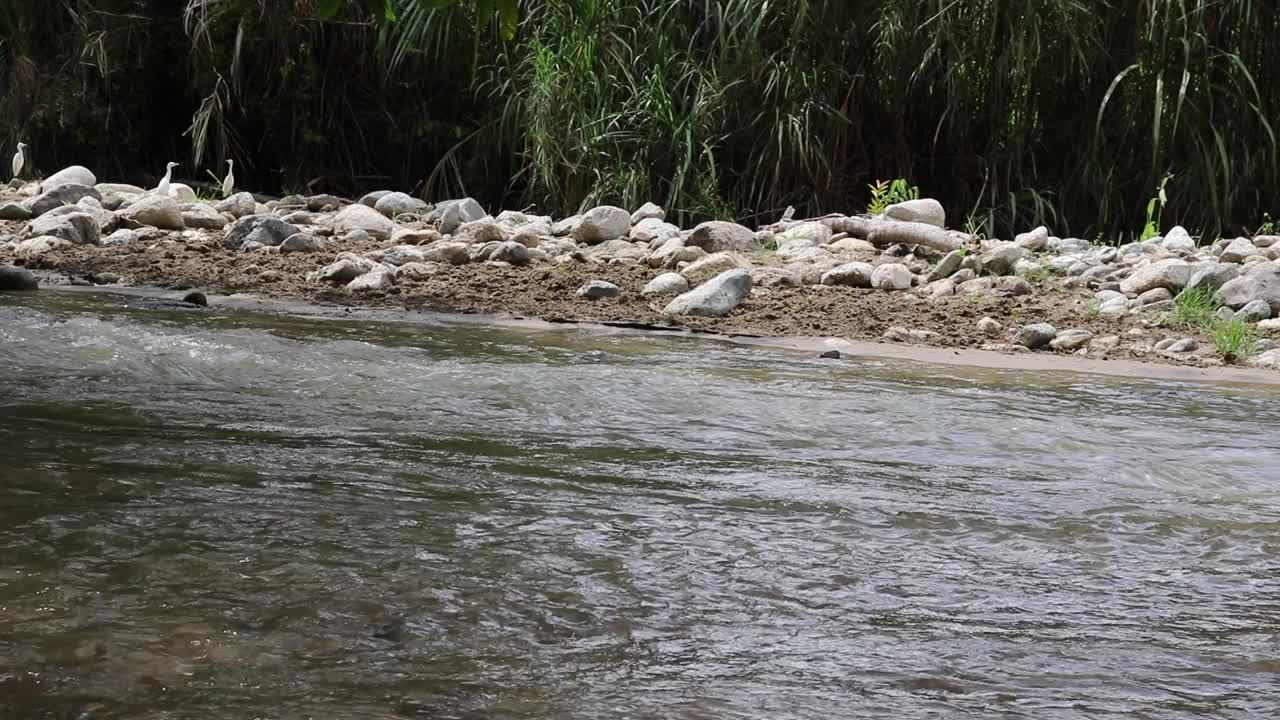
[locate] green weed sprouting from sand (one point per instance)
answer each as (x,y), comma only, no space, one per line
(1193,308)
(1235,340)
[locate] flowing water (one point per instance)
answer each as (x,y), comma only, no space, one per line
(238,515)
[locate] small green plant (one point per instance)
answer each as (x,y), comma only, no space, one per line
(885,193)
(1155,209)
(1094,309)
(1268,226)
(1235,340)
(1194,308)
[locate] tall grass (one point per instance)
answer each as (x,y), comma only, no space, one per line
(1012,112)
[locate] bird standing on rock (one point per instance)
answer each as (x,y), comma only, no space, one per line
(19,160)
(163,187)
(229,182)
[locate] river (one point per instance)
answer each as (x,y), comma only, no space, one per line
(236,515)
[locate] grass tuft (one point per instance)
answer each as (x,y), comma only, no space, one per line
(1194,308)
(1236,340)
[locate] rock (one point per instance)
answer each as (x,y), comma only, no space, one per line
(1185,345)
(77,227)
(34,247)
(561,228)
(239,205)
(898,333)
(202,216)
(1011,286)
(375,280)
(813,233)
(301,242)
(653,230)
(976,286)
(399,255)
(325,203)
(673,253)
(454,213)
(1001,259)
(1272,325)
(715,298)
(1237,250)
(17,279)
(830,355)
(947,266)
(363,217)
(124,236)
(713,264)
(1071,340)
(510,252)
(1266,241)
(1224,314)
(648,211)
(666,284)
(892,276)
(394,204)
(716,236)
(354,237)
(924,210)
(346,268)
(121,188)
(452,253)
(854,274)
(60,195)
(1269,360)
(601,224)
(1263,284)
(598,289)
(74,175)
(619,248)
(419,270)
(263,229)
(14,211)
(1178,240)
(1035,241)
(1105,344)
(848,246)
(1212,275)
(990,327)
(371,199)
(415,236)
(299,217)
(1035,336)
(1154,295)
(524,229)
(1254,311)
(1172,275)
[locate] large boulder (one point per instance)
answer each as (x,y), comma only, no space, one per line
(77,227)
(716,236)
(1260,284)
(715,298)
(398,203)
(1213,275)
(239,205)
(363,217)
(1171,274)
(158,211)
(17,278)
(602,224)
(263,229)
(74,175)
(57,196)
(924,210)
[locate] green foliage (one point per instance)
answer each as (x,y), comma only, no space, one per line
(1155,208)
(1194,308)
(885,193)
(1235,340)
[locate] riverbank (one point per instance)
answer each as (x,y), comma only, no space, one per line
(901,278)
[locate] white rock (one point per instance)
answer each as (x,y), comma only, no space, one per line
(854,274)
(78,227)
(238,205)
(714,264)
(376,279)
(1238,250)
(891,276)
(1178,240)
(666,284)
(1035,241)
(394,204)
(715,298)
(452,253)
(74,175)
(924,210)
(34,247)
(603,223)
(1071,340)
(990,327)
(363,217)
(651,230)
(1171,274)
(419,270)
(648,211)
(598,290)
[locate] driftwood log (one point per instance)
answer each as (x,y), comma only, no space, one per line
(889,232)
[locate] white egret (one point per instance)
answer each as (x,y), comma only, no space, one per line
(229,182)
(19,160)
(163,187)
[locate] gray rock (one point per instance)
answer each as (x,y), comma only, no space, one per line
(990,327)
(601,224)
(619,248)
(891,276)
(375,280)
(715,298)
(79,228)
(560,228)
(363,217)
(648,211)
(1035,241)
(1178,240)
(34,247)
(717,236)
(666,284)
(454,213)
(450,252)
(301,242)
(1254,311)
(239,205)
(399,255)
(1212,275)
(1071,340)
(1011,286)
(812,233)
(897,333)
(17,279)
(652,230)
(356,236)
(121,188)
(299,217)
(1265,241)
(1224,314)
(419,270)
(325,203)
(345,269)
(263,229)
(924,210)
(123,236)
(1035,336)
(1155,295)
(1269,360)
(524,229)
(510,252)
(1172,275)
(1237,250)
(74,175)
(1263,284)
(371,199)
(14,211)
(947,266)
(398,203)
(854,274)
(1001,260)
(479,232)
(1185,345)
(158,211)
(598,289)
(976,286)
(59,195)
